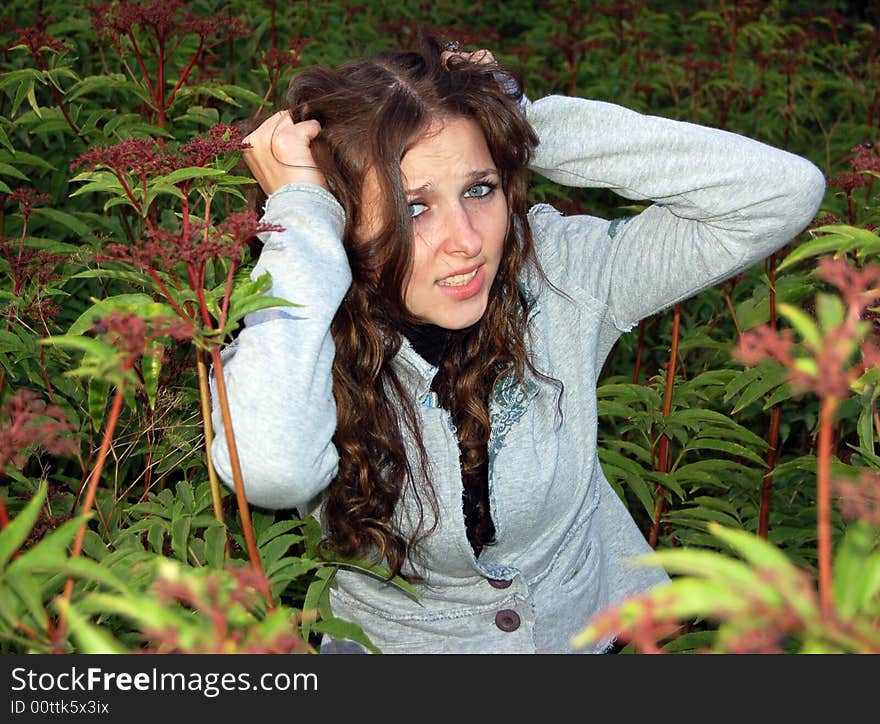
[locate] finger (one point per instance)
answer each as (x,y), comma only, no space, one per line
(310,128)
(481,57)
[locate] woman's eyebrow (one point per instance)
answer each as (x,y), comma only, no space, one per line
(472,176)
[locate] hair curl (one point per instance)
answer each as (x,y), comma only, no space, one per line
(371,112)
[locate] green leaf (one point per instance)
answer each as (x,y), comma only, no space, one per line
(865,428)
(99,391)
(840,239)
(277,547)
(215,545)
(7,170)
(15,534)
(95,347)
(27,587)
(4,141)
(136,302)
(151,368)
(317,590)
(830,311)
(50,551)
(66,220)
(856,572)
(90,570)
(90,639)
(180,530)
(345,631)
(246,306)
(276,529)
(188,174)
(156,536)
(91,83)
(803,323)
(731,448)
(769,378)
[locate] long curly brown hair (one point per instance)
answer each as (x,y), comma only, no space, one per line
(371,112)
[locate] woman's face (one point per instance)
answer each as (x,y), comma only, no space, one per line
(460,222)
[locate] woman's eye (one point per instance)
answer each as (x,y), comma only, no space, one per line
(416,209)
(478,191)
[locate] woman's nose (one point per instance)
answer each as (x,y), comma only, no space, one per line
(462,236)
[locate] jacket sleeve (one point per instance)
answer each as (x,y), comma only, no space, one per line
(721,203)
(278,372)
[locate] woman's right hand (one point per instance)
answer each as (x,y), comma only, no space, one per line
(280,153)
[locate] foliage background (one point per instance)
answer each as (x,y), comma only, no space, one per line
(134,236)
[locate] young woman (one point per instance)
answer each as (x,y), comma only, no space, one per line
(434,400)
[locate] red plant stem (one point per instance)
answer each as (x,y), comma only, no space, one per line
(91,491)
(729,304)
(208,430)
(663,455)
(161,105)
(243,509)
(4,515)
(767,482)
(60,101)
(164,290)
(823,500)
(127,188)
(140,60)
(227,293)
(775,418)
(186,72)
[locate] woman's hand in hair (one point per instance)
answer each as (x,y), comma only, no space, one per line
(280,153)
(481,56)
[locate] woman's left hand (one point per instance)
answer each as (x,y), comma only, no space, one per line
(481,56)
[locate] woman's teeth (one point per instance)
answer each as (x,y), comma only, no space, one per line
(459,280)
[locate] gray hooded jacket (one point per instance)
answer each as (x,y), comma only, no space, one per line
(721,203)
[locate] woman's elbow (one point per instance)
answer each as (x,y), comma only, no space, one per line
(280,480)
(805,190)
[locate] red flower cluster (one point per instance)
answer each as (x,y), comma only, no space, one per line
(276,60)
(202,150)
(143,157)
(836,371)
(27,422)
(164,248)
(859,499)
(140,157)
(27,264)
(39,44)
(27,199)
(164,19)
(213,598)
(131,334)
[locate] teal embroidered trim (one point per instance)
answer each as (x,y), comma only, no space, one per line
(509,404)
(614,226)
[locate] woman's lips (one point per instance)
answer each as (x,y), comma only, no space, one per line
(463,286)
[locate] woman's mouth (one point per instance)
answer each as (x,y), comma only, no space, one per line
(463,286)
(459,280)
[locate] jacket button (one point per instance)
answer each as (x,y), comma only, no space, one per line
(498,582)
(507,620)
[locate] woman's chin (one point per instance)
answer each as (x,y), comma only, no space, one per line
(462,316)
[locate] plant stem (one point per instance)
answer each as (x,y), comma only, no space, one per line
(663,456)
(92,487)
(208,429)
(241,499)
(775,418)
(767,482)
(823,500)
